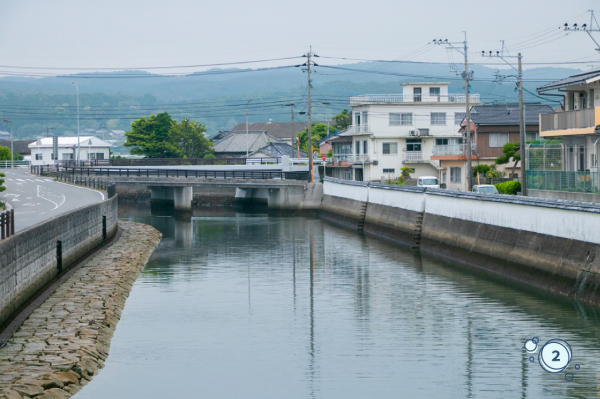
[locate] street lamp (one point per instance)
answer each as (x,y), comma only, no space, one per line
(12,152)
(78,143)
(247,141)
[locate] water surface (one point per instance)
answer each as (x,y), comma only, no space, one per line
(243,305)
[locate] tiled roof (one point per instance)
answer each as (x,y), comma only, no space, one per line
(572,80)
(64,141)
(280,130)
(20,146)
(280,149)
(508,114)
(240,142)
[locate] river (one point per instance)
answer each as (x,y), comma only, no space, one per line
(246,305)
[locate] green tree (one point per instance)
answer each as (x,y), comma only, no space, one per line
(343,120)
(4,153)
(187,138)
(481,169)
(319,130)
(510,150)
(150,137)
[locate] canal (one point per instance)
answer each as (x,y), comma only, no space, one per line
(246,305)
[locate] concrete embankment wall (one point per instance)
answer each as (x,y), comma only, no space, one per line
(28,259)
(550,244)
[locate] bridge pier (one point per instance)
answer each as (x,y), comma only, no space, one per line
(182,198)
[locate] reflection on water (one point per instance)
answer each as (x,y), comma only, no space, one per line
(243,305)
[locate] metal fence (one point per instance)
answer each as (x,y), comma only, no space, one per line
(186,173)
(545,156)
(555,180)
(7,224)
(170,161)
(86,181)
(9,164)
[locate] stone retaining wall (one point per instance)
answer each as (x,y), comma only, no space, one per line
(64,342)
(550,244)
(28,259)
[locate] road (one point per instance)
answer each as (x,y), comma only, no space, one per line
(36,199)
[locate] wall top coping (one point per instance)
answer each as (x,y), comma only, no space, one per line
(507,199)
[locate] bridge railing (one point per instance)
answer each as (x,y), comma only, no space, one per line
(86,181)
(7,224)
(185,173)
(169,162)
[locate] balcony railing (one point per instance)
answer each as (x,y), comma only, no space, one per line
(584,118)
(451,149)
(413,156)
(410,98)
(358,158)
(357,129)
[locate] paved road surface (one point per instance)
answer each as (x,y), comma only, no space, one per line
(36,199)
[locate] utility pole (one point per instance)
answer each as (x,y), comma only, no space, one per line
(523,149)
(468,119)
(310,147)
(48,130)
(78,139)
(466,75)
(293,135)
(522,130)
(587,29)
(12,151)
(247,142)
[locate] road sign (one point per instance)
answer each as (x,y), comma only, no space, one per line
(323,157)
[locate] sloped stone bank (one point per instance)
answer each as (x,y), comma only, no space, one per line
(64,342)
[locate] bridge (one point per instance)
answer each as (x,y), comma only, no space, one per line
(281,186)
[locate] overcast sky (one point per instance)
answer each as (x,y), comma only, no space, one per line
(150,33)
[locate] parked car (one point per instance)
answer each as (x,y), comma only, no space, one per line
(428,181)
(485,189)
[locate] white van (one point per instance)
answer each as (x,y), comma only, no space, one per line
(428,181)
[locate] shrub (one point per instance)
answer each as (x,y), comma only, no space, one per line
(209,156)
(509,187)
(406,171)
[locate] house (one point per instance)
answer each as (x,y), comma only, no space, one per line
(240,144)
(283,132)
(391,131)
(277,150)
(492,126)
(90,148)
(340,167)
(565,165)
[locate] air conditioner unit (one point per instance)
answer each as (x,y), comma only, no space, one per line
(413,132)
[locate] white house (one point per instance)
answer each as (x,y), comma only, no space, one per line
(90,148)
(391,131)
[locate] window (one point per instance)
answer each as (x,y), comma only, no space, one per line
(498,140)
(390,149)
(441,141)
(398,119)
(365,147)
(92,156)
(438,118)
(434,91)
(39,157)
(99,155)
(357,147)
(532,136)
(392,170)
(417,94)
(459,117)
(365,118)
(67,157)
(413,145)
(455,174)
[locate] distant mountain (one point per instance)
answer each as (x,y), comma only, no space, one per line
(218,97)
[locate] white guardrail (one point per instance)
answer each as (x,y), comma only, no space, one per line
(8,164)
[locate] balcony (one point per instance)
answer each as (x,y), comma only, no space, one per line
(566,123)
(358,159)
(358,129)
(414,157)
(451,149)
(410,98)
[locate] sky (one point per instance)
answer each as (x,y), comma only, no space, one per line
(47,37)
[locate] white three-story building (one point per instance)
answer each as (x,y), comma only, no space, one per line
(391,131)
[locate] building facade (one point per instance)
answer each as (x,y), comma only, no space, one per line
(91,148)
(391,131)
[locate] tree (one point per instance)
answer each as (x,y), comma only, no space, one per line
(150,137)
(4,153)
(188,140)
(510,150)
(319,130)
(481,169)
(343,120)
